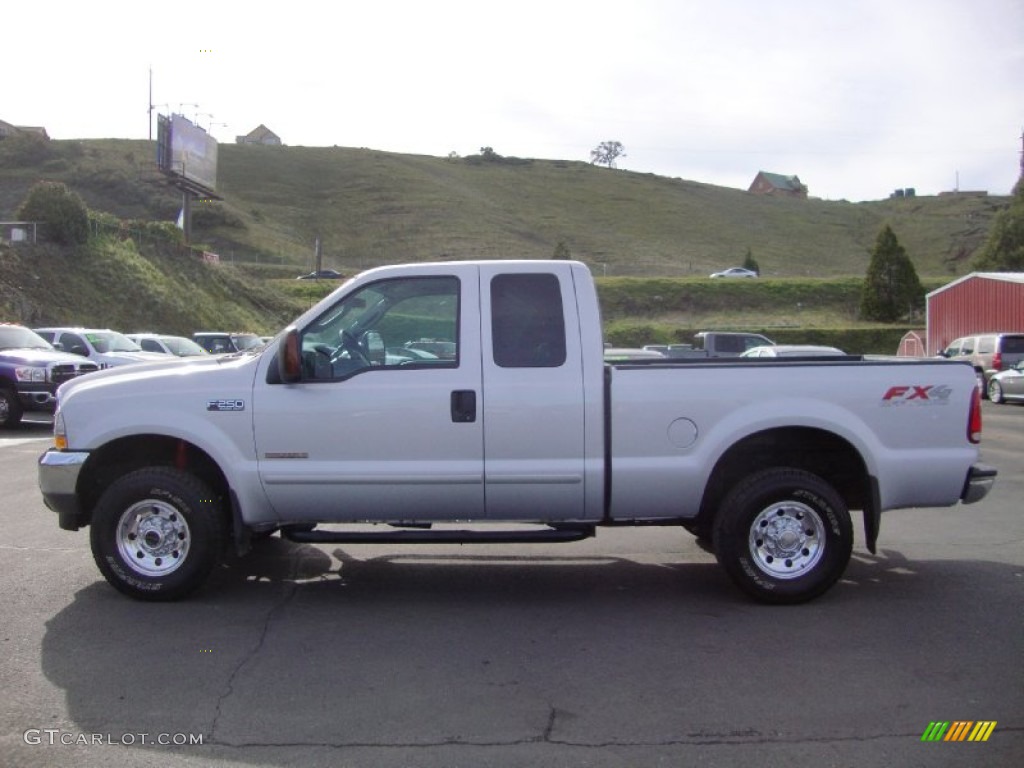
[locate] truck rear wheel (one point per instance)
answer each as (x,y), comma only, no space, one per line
(157,533)
(783,535)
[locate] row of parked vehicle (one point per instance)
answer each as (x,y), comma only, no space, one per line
(34,362)
(998,361)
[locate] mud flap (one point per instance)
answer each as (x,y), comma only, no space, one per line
(872,514)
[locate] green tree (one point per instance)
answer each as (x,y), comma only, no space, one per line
(892,289)
(62,212)
(606,153)
(750,263)
(1004,249)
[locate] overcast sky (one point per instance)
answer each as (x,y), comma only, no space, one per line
(856,97)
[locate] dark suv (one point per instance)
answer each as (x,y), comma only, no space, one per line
(989,353)
(30,372)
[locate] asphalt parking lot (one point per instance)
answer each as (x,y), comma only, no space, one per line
(630,649)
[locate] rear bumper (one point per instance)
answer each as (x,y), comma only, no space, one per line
(980,479)
(58,481)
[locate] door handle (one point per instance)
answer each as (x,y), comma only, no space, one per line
(463,406)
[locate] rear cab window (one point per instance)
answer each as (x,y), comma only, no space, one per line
(527,321)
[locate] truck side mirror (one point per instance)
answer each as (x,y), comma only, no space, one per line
(289,356)
(373,342)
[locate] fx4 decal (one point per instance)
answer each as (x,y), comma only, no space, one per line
(917,394)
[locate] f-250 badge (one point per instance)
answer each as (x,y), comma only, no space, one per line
(225,405)
(924,394)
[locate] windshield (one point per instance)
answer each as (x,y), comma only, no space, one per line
(15,337)
(246,341)
(111,341)
(182,347)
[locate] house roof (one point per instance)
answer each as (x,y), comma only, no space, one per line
(1006,277)
(779,181)
(260,132)
(9,129)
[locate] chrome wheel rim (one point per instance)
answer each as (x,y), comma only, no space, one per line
(153,538)
(787,539)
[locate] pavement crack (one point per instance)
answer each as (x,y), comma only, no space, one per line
(229,687)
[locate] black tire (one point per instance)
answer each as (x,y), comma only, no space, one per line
(783,535)
(995,391)
(157,533)
(10,408)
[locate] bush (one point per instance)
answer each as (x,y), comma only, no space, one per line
(62,212)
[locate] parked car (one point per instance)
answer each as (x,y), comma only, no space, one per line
(988,353)
(220,342)
(1007,385)
(445,350)
(671,350)
(735,272)
(793,350)
(323,274)
(625,354)
(30,372)
(106,347)
(179,346)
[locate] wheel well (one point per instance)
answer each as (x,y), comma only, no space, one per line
(822,453)
(129,453)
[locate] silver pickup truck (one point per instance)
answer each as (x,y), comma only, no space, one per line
(470,402)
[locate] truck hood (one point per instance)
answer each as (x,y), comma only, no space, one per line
(126,358)
(39,357)
(166,375)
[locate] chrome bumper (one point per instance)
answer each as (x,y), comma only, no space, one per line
(58,481)
(979,482)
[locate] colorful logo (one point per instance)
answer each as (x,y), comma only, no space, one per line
(959,730)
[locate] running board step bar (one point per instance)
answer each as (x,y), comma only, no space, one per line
(574,533)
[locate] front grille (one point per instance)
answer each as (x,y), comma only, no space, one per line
(64,371)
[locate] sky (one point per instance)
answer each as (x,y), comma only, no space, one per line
(856,97)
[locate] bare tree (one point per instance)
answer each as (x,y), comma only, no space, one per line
(606,153)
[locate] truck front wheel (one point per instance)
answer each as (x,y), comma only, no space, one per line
(10,407)
(157,533)
(783,535)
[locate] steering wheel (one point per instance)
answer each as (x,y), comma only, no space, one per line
(350,344)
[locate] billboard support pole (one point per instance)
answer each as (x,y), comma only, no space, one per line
(186,218)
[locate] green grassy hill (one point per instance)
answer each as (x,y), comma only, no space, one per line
(372,207)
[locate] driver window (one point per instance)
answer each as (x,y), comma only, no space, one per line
(404,323)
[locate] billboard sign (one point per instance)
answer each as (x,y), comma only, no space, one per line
(187,151)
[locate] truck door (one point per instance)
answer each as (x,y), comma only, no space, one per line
(385,423)
(533,408)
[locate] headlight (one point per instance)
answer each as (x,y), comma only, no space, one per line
(60,434)
(27,373)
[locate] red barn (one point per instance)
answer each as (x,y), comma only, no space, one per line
(981,302)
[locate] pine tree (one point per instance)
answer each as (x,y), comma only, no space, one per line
(750,263)
(892,289)
(1004,249)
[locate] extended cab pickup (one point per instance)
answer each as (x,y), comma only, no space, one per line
(521,433)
